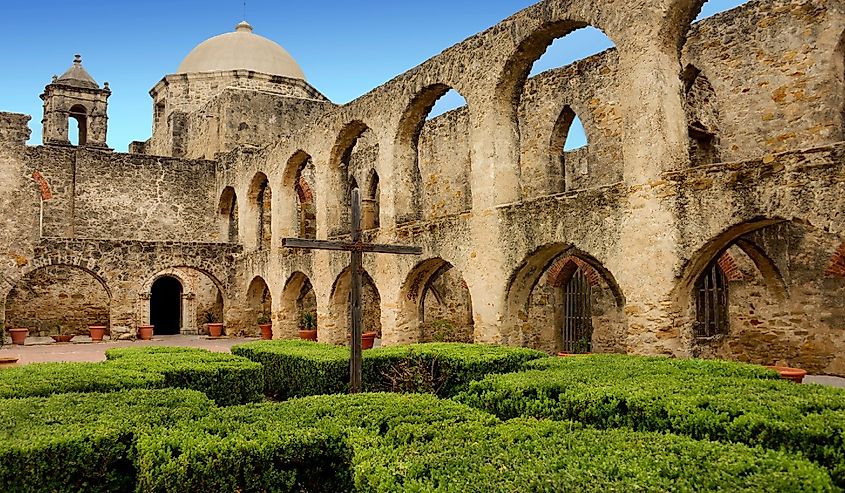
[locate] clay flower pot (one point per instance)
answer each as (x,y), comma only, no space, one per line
(215,329)
(368,339)
(308,335)
(145,332)
(794,374)
(266,331)
(18,336)
(63,338)
(8,362)
(97,332)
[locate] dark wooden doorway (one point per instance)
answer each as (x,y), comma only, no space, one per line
(577,334)
(166,306)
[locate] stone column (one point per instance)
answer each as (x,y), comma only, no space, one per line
(189,314)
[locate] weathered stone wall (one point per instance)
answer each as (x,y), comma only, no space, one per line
(444,161)
(447,310)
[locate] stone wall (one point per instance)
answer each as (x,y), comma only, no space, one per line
(444,161)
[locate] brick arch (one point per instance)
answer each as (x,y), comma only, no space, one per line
(303,191)
(730,268)
(836,268)
(562,270)
(43,185)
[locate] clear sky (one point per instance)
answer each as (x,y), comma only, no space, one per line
(346,48)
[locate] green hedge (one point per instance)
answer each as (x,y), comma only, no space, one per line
(301,368)
(705,400)
(225,378)
(389,442)
(84,442)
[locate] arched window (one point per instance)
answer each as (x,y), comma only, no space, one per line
(702,117)
(569,145)
(711,303)
(80,115)
(228,212)
(370,208)
(577,327)
(306,208)
(261,197)
(355,151)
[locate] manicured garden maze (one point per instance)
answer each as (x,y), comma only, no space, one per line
(728,402)
(603,426)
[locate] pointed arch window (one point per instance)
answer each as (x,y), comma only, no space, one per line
(577,334)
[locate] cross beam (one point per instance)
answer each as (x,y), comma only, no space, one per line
(357,248)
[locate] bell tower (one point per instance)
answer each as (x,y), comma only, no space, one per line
(76,95)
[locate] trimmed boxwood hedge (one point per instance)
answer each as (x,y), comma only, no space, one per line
(84,442)
(225,378)
(705,400)
(302,368)
(389,442)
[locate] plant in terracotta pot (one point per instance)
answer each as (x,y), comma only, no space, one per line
(215,328)
(792,374)
(5,360)
(62,336)
(97,332)
(308,328)
(368,340)
(18,336)
(145,332)
(265,323)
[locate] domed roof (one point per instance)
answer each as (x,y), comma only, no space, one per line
(77,76)
(241,50)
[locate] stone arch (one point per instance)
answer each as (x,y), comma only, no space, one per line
(534,303)
(259,300)
(571,163)
(436,304)
(227,211)
(340,175)
(408,194)
(371,198)
(299,216)
(203,296)
(298,298)
(340,308)
(80,113)
(260,199)
(58,294)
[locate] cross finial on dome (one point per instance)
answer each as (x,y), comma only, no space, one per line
(243,27)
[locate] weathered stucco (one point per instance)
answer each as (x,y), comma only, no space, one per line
(721,142)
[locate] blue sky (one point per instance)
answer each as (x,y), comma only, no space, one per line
(345,48)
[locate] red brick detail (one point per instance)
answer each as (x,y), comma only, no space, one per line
(43,185)
(303,189)
(837,263)
(561,271)
(730,268)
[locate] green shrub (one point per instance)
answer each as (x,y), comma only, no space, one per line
(733,403)
(301,368)
(116,353)
(225,378)
(84,442)
(298,445)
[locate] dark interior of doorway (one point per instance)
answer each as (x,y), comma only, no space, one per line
(166,306)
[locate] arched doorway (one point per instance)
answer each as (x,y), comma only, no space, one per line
(166,306)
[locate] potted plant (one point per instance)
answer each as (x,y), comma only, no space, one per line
(5,361)
(368,340)
(793,374)
(145,332)
(18,336)
(61,336)
(97,332)
(215,329)
(266,326)
(308,329)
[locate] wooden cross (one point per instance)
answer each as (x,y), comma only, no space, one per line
(357,247)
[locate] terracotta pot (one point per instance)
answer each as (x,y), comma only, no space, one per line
(65,338)
(794,374)
(266,331)
(215,330)
(308,335)
(18,336)
(8,362)
(97,332)
(368,339)
(145,332)
(572,354)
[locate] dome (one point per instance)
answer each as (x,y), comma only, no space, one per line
(241,50)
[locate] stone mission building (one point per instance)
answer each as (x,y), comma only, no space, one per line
(705,217)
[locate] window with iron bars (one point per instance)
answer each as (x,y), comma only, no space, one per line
(711,303)
(577,334)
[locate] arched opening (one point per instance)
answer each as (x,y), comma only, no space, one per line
(166,306)
(260,303)
(433,156)
(713,7)
(299,302)
(437,306)
(839,73)
(261,198)
(354,155)
(561,299)
(79,135)
(300,216)
(702,117)
(58,299)
(370,209)
(340,308)
(228,216)
(570,146)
